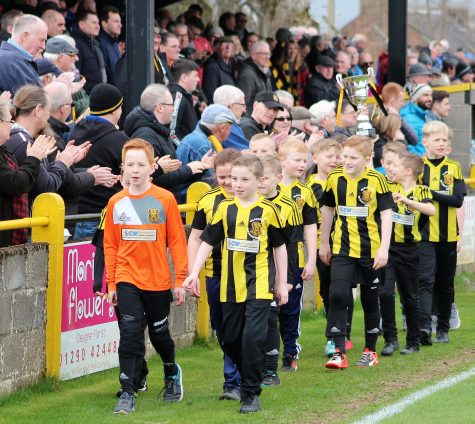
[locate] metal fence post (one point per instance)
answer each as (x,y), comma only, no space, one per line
(193,194)
(51,205)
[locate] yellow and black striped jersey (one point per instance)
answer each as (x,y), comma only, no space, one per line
(318,187)
(249,235)
(292,221)
(444,177)
(358,203)
(205,208)
(408,222)
(303,196)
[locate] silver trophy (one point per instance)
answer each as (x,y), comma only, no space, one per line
(356,89)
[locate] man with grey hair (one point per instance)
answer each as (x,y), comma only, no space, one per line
(75,181)
(324,116)
(232,98)
(18,53)
(285,98)
(254,75)
(151,122)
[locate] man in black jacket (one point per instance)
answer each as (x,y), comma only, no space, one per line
(219,69)
(184,119)
(100,128)
(91,60)
(150,121)
(263,114)
(321,86)
(254,75)
(77,179)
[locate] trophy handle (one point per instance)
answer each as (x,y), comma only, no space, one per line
(339,80)
(370,73)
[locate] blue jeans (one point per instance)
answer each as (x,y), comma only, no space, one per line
(232,378)
(85,230)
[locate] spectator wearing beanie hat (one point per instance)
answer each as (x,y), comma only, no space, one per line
(414,113)
(100,128)
(463,73)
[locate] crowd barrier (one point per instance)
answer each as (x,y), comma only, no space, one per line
(47,224)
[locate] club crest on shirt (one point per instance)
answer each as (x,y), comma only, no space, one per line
(408,209)
(447,179)
(367,195)
(300,201)
(255,228)
(153,215)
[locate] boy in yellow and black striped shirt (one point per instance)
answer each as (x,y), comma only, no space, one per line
(438,248)
(413,205)
(205,209)
(292,221)
(293,156)
(254,255)
(360,200)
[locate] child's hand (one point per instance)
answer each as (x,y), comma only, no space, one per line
(113,297)
(192,285)
(381,259)
(289,287)
(308,271)
(282,294)
(324,253)
(398,197)
(179,293)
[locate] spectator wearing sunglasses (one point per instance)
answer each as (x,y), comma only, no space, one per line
(282,122)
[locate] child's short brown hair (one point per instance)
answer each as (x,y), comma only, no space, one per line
(226,156)
(325,145)
(360,143)
(261,136)
(272,162)
(252,163)
(393,147)
(292,144)
(413,162)
(139,144)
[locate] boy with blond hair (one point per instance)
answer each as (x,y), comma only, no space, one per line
(293,156)
(262,144)
(359,200)
(438,248)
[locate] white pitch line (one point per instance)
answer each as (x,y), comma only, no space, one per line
(409,400)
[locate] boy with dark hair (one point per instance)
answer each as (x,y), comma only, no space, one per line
(205,209)
(438,248)
(253,235)
(360,201)
(268,187)
(141,222)
(293,156)
(184,119)
(413,205)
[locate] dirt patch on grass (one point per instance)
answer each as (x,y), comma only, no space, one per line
(385,392)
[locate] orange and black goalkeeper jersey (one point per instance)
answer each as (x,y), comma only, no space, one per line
(318,187)
(137,232)
(205,208)
(249,235)
(303,196)
(444,178)
(408,222)
(358,203)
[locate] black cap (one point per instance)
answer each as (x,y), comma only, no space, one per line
(269,99)
(324,60)
(461,69)
(46,67)
(104,99)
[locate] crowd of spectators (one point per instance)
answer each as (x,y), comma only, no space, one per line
(63,75)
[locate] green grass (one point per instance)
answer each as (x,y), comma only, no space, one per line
(308,396)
